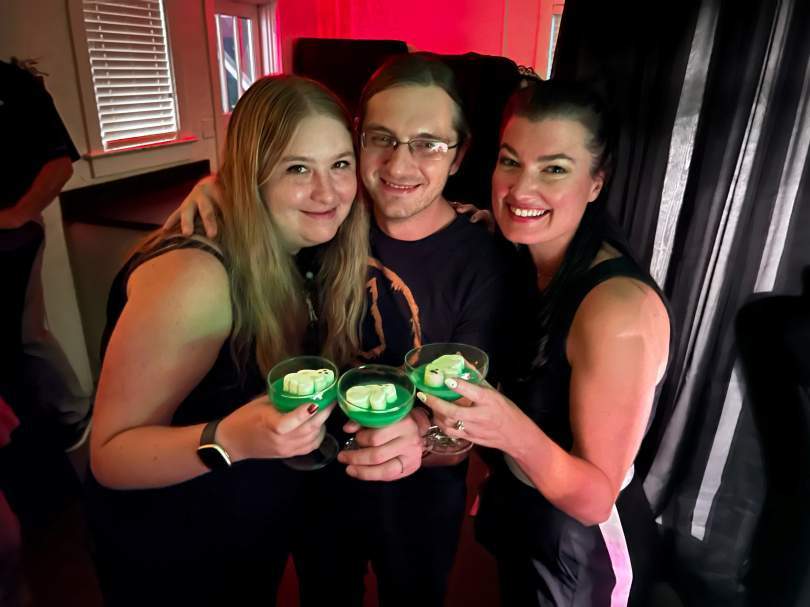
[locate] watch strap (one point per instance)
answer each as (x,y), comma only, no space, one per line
(212,454)
(208,436)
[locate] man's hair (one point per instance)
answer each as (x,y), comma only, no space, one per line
(416,69)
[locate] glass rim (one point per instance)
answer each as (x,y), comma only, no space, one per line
(450,345)
(303,397)
(378,369)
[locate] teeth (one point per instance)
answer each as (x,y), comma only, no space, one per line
(398,186)
(528,212)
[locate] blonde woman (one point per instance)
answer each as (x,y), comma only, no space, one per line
(194,325)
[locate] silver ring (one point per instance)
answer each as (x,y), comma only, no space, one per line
(459,425)
(401,465)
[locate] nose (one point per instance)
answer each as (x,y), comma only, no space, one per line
(323,190)
(523,186)
(400,162)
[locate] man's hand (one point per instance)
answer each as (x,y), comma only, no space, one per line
(476,214)
(386,454)
(203,201)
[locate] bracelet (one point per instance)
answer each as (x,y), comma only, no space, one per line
(432,428)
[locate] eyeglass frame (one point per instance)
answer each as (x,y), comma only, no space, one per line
(398,143)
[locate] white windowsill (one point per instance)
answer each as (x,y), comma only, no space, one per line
(182,139)
(104,163)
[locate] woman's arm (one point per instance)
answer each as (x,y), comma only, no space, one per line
(168,336)
(617,348)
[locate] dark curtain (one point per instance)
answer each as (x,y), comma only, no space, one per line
(714,101)
(636,55)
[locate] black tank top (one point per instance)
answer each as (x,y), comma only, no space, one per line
(222,389)
(246,511)
(543,394)
(515,519)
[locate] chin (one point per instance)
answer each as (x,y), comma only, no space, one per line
(320,237)
(518,234)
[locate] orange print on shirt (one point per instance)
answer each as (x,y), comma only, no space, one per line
(398,286)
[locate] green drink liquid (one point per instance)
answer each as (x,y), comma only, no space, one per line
(287,402)
(369,418)
(418,378)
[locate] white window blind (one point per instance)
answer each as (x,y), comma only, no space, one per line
(132,76)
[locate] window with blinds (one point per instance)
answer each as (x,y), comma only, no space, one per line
(131,69)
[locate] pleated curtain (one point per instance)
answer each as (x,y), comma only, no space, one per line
(712,187)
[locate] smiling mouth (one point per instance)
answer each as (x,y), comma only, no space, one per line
(399,187)
(320,214)
(528,213)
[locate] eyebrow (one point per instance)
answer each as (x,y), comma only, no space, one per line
(547,158)
(420,135)
(308,159)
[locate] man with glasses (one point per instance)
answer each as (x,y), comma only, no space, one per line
(434,277)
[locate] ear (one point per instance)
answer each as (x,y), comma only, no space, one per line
(597,183)
(460,152)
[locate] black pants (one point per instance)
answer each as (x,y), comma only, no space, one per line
(220,539)
(548,559)
(407,530)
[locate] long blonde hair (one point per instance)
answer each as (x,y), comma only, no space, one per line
(270,312)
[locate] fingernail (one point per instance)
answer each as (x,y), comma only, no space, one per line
(451,383)
(312,408)
(421,396)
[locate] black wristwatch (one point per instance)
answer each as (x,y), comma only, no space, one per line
(210,452)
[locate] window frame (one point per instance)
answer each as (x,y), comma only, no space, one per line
(106,162)
(268,18)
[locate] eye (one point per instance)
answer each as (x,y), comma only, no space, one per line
(508,162)
(555,169)
(428,145)
(297,169)
(342,164)
(381,140)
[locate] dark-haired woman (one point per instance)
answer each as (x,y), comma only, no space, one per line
(562,511)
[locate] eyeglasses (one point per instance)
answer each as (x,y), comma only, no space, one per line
(421,149)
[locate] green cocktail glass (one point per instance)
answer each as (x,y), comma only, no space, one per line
(476,365)
(366,375)
(286,402)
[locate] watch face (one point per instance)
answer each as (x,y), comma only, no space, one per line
(213,456)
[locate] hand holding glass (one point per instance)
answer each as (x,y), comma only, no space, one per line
(439,361)
(321,395)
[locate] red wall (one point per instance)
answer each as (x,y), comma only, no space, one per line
(491,27)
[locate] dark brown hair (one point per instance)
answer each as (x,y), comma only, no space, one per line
(416,69)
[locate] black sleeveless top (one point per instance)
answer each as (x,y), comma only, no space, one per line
(246,511)
(543,394)
(222,389)
(574,563)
